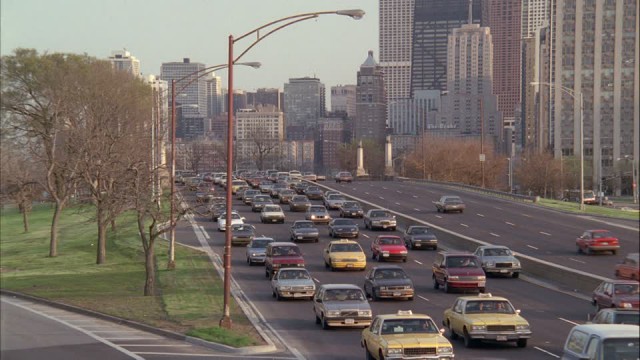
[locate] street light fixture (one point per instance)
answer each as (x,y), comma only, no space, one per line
(575,95)
(270,28)
(202,72)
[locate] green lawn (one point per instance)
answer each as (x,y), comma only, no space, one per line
(189,300)
(589,209)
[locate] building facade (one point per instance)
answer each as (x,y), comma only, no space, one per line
(214,96)
(343,99)
(371,102)
(331,136)
(394,40)
(259,136)
(535,14)
(123,60)
(304,103)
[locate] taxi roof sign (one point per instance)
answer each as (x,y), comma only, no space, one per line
(484,295)
(404,312)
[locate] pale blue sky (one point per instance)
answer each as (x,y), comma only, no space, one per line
(330,47)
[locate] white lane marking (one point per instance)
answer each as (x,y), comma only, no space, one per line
(546,352)
(439,217)
(86,332)
(569,321)
(480,215)
(204,232)
(499,208)
(115,331)
(508,223)
(399,192)
(397,203)
(158,345)
(433,202)
(316,280)
(365,235)
(242,356)
(578,261)
(526,215)
(533,247)
(423,298)
(415,196)
(545,233)
(418,262)
(381,198)
(496,235)
(385,188)
(366,193)
(416,209)
(132,338)
(465,225)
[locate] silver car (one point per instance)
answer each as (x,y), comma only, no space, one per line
(341,305)
(380,219)
(498,260)
(304,230)
(318,214)
(293,283)
(334,201)
(257,250)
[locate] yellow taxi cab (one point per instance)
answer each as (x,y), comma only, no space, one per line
(405,335)
(486,317)
(344,254)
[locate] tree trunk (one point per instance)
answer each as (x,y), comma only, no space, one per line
(102,239)
(25,217)
(53,242)
(150,267)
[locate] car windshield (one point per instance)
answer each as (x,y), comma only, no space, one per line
(259,198)
(343,222)
(408,326)
(453,201)
(377,214)
(286,251)
(602,234)
(461,261)
(299,198)
(419,230)
(272,209)
(313,188)
(241,227)
(317,209)
(497,252)
(621,349)
(336,197)
(349,204)
(251,192)
(390,274)
(261,243)
(303,225)
(632,318)
(346,248)
(343,295)
(389,241)
(625,289)
(294,275)
(489,306)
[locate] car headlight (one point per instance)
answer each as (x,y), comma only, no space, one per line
(516,263)
(445,350)
(522,327)
(392,351)
(454,277)
(478,328)
(364,312)
(313,216)
(482,278)
(403,252)
(332,313)
(285,288)
(383,288)
(408,287)
(490,264)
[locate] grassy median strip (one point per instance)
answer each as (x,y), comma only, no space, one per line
(188,300)
(590,209)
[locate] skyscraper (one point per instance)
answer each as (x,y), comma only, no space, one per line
(343,99)
(597,57)
(396,28)
(434,21)
(535,14)
(193,97)
(371,104)
(214,95)
(123,60)
(304,104)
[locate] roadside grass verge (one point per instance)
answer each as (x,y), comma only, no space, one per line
(589,209)
(188,299)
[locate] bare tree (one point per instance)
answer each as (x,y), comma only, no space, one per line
(18,180)
(538,174)
(263,146)
(35,93)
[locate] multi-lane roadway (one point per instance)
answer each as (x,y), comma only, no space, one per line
(526,229)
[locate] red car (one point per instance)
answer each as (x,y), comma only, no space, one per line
(597,240)
(389,247)
(616,294)
(629,268)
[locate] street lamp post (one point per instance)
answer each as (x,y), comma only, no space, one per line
(575,95)
(634,178)
(270,28)
(200,73)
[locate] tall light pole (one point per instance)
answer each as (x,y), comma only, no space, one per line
(634,177)
(576,95)
(200,73)
(269,29)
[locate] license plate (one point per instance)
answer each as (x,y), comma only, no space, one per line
(396,294)
(353,214)
(384,226)
(417,244)
(349,321)
(349,265)
(385,255)
(299,237)
(501,338)
(503,271)
(605,243)
(274,220)
(299,294)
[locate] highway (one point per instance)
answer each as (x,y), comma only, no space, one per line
(551,313)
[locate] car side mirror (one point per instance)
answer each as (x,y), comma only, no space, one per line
(318,300)
(518,311)
(441,331)
(243,218)
(607,293)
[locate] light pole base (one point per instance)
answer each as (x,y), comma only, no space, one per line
(226,322)
(171,265)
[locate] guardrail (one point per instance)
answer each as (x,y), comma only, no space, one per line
(566,278)
(482,190)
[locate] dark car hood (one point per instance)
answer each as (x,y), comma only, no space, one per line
(288,259)
(393,248)
(305,231)
(393,282)
(465,271)
(422,237)
(345,227)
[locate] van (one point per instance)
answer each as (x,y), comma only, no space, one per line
(280,255)
(602,342)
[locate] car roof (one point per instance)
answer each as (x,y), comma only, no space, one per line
(483,297)
(343,241)
(609,330)
(264,238)
(456,253)
(340,286)
(387,237)
(621,281)
(283,243)
(619,310)
(382,267)
(303,221)
(493,247)
(407,316)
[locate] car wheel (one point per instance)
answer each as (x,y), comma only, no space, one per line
(266,273)
(515,275)
(447,289)
(379,257)
(278,297)
(273,293)
(410,298)
(404,260)
(482,290)
(588,251)
(438,209)
(325,324)
(367,354)
(452,334)
(522,343)
(326,265)
(317,319)
(374,295)
(315,240)
(468,341)
(435,283)
(614,252)
(578,249)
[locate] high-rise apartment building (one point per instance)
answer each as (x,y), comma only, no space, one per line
(192,96)
(503,17)
(265,97)
(214,95)
(535,14)
(331,135)
(434,21)
(160,116)
(597,59)
(395,38)
(304,103)
(371,103)
(123,60)
(259,133)
(343,99)
(470,106)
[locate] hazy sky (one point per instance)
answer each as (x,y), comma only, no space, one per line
(330,47)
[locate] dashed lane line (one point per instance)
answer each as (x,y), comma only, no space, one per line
(465,225)
(397,203)
(415,196)
(569,321)
(423,298)
(508,223)
(547,352)
(480,215)
(416,209)
(578,261)
(496,207)
(418,262)
(533,247)
(526,215)
(493,234)
(439,217)
(365,235)
(545,233)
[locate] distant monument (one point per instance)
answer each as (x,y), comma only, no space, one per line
(361,171)
(388,158)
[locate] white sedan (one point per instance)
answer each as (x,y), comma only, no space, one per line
(235,219)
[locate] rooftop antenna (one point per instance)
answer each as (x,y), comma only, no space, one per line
(470,12)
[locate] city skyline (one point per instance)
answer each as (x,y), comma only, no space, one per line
(329,48)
